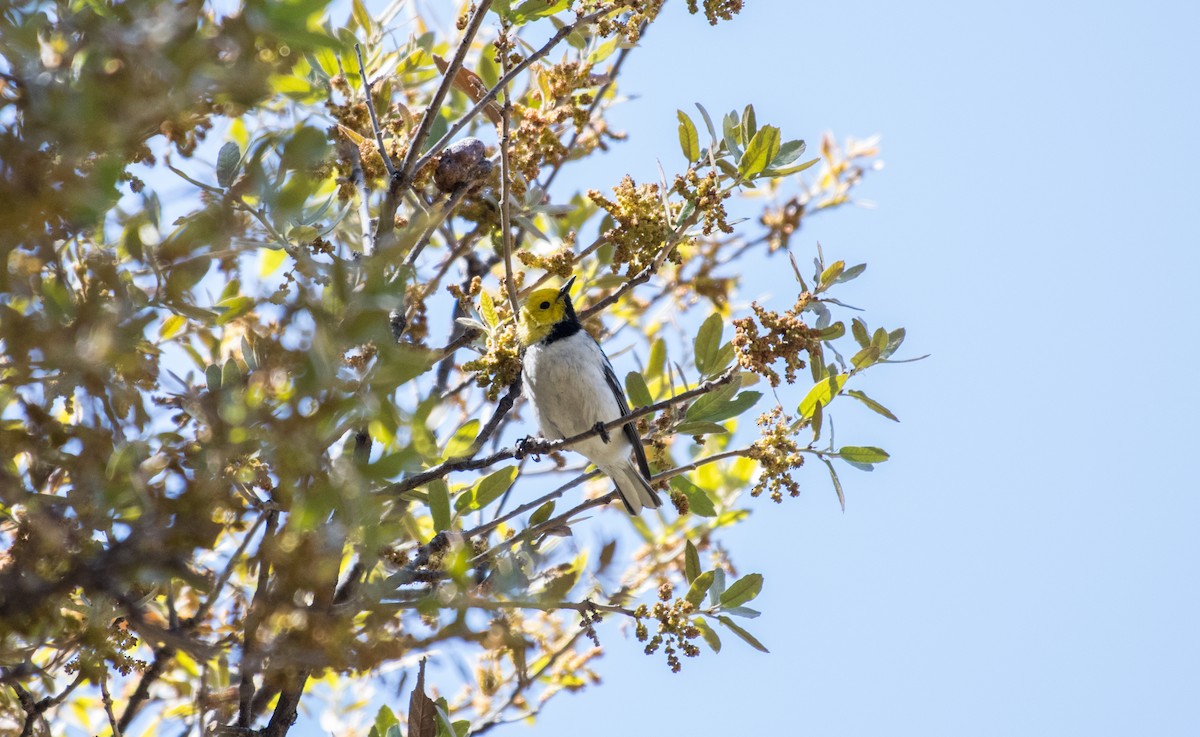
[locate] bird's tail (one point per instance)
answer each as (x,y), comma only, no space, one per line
(634,489)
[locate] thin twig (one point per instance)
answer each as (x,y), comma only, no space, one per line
(542,446)
(366,83)
(106,697)
(502,408)
(505,202)
(530,506)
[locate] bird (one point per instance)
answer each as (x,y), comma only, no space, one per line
(573,388)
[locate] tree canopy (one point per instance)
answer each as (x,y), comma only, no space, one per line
(260,415)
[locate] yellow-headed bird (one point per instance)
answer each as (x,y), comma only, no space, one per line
(572,387)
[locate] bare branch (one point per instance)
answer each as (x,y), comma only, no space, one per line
(366,83)
(540,446)
(505,197)
(106,697)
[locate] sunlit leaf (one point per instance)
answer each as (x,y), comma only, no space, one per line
(699,587)
(762,148)
(824,391)
(689,139)
(863,454)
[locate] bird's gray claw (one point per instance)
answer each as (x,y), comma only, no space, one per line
(601,431)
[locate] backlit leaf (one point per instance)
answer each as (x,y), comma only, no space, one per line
(824,391)
(759,152)
(689,139)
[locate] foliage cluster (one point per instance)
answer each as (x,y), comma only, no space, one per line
(258,439)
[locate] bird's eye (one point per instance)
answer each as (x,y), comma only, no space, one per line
(544,306)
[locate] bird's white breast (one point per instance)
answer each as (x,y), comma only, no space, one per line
(566,384)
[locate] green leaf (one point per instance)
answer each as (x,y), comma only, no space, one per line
(709,635)
(172,326)
(699,502)
(708,343)
(718,587)
(487,308)
(851,273)
(865,357)
(790,170)
(691,561)
(788,152)
(818,420)
(832,332)
(439,504)
(689,139)
(462,440)
(743,590)
(385,719)
(233,308)
(712,131)
(830,275)
(759,152)
(486,490)
(534,9)
(861,334)
(744,611)
(823,391)
(875,406)
(636,389)
(895,338)
(212,377)
(749,123)
(658,358)
(542,513)
(700,428)
(837,483)
(749,639)
(863,454)
(731,128)
(231,373)
(699,588)
(228,159)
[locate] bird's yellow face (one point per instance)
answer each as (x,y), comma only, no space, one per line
(543,309)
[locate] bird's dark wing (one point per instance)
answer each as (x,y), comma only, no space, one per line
(630,430)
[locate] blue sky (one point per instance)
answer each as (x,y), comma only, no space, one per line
(1027,561)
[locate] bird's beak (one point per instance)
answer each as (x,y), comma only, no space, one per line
(565,289)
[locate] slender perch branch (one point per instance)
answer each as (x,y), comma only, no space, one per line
(540,446)
(505,202)
(366,83)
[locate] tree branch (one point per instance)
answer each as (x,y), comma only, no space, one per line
(541,445)
(366,83)
(251,660)
(505,201)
